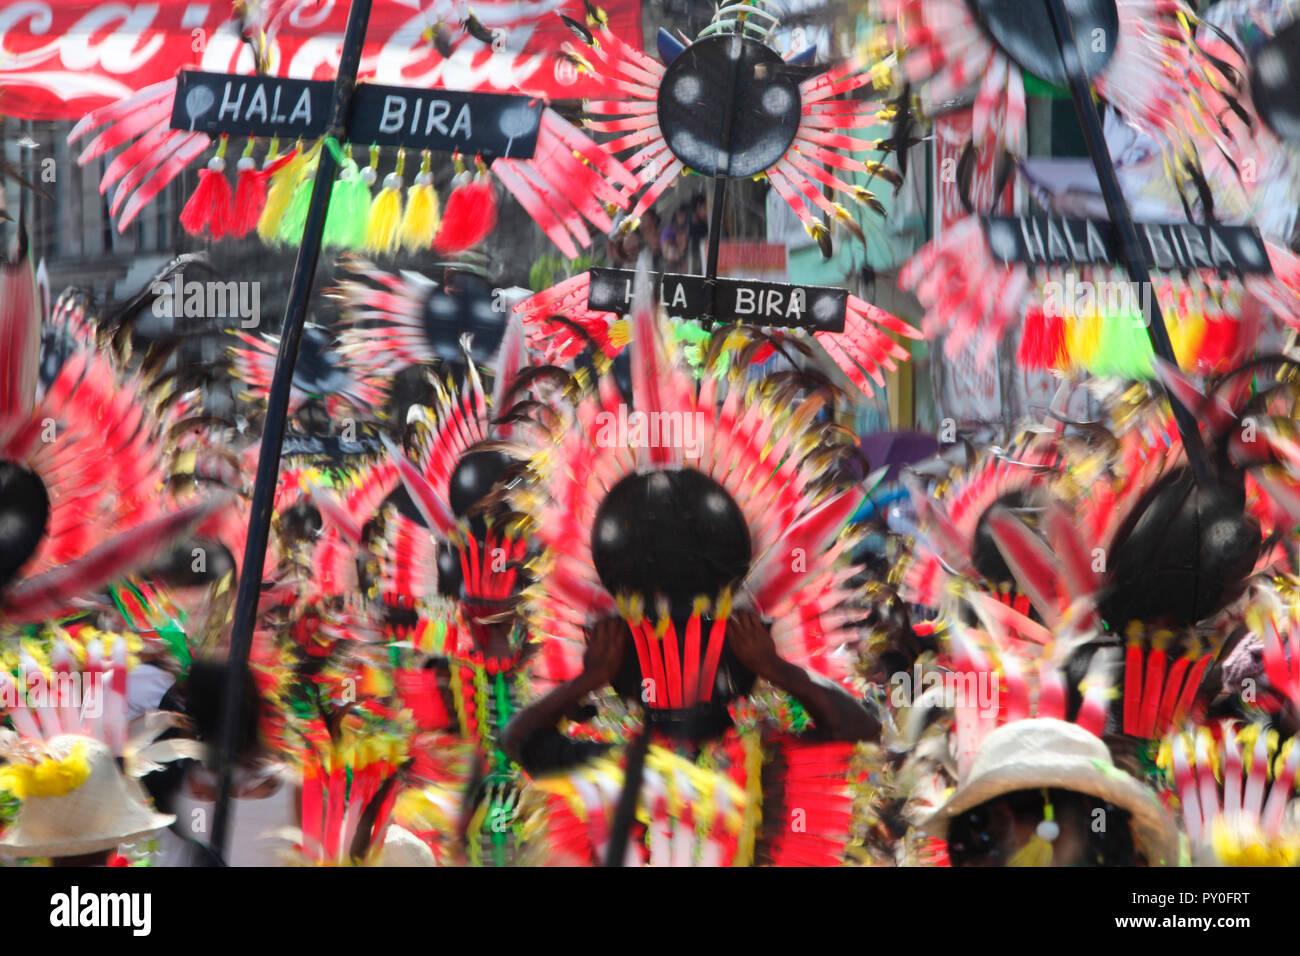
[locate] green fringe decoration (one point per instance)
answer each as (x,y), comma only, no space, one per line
(345,226)
(295,217)
(1124,348)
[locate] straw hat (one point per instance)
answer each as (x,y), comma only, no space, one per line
(404,848)
(101,813)
(1043,752)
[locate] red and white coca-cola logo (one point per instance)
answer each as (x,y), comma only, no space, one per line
(62,58)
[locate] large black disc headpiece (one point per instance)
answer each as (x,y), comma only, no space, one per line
(765,114)
(677,534)
(1183,555)
(473,479)
(24,514)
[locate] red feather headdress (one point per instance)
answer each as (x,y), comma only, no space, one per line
(945,51)
(1236,783)
(94,444)
(755,447)
(460,425)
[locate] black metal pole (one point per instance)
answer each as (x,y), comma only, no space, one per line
(277,411)
(720,177)
(1122,222)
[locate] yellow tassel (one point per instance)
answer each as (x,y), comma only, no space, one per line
(1083,337)
(1038,851)
(1187,334)
(619,333)
(386,213)
(280,190)
(420,221)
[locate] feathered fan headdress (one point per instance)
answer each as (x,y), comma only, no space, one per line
(80,465)
(1152,555)
(1236,783)
(1138,53)
(791,123)
(739,519)
(320,373)
(455,468)
(74,682)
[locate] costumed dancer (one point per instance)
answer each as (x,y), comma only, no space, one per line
(82,476)
(680,573)
(455,478)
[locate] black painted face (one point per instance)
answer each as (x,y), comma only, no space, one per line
(451,578)
(1275,83)
(1183,556)
(1023,29)
(675,533)
(764,118)
(464,305)
(24,514)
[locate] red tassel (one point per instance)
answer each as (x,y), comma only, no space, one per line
(250,192)
(1132,685)
(469,217)
(1219,346)
(1042,345)
(211,206)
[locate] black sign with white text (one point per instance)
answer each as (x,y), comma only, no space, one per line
(748,301)
(216,103)
(497,124)
(1169,247)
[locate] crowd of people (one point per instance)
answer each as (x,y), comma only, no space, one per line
(596,595)
(678,246)
(509,639)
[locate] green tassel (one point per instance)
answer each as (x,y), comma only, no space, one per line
(1124,348)
(295,217)
(345,226)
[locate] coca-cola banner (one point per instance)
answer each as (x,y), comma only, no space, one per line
(61,58)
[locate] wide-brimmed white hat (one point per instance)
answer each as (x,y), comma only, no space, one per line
(403,848)
(102,813)
(1043,752)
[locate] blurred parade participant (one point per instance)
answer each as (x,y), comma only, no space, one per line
(455,480)
(76,807)
(690,567)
